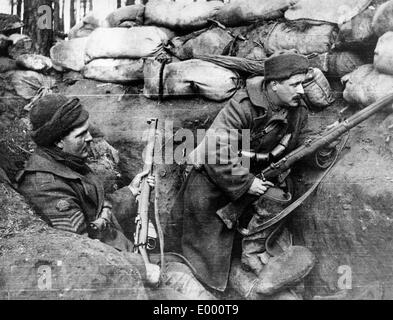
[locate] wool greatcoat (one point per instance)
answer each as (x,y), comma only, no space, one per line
(194,229)
(69,201)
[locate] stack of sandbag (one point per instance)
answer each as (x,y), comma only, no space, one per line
(366,85)
(181,16)
(188,79)
(208,41)
(243,12)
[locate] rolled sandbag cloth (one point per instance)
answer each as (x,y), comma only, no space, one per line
(189,78)
(181,16)
(114,70)
(366,85)
(133,13)
(133,43)
(69,54)
(383,54)
(317,90)
(382,21)
(242,12)
(306,40)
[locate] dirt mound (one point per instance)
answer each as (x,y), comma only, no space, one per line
(348,222)
(38,262)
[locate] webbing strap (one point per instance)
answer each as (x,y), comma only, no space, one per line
(284,213)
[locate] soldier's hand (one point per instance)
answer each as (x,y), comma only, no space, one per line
(259,187)
(135,185)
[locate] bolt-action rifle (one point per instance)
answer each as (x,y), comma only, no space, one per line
(232,211)
(143,199)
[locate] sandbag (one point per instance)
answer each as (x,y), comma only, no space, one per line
(92,21)
(341,63)
(382,21)
(133,43)
(383,54)
(366,85)
(182,16)
(242,12)
(331,11)
(357,32)
(7,64)
(212,41)
(9,22)
(69,54)
(35,62)
(189,78)
(27,83)
(21,44)
(133,13)
(253,45)
(317,90)
(114,70)
(306,39)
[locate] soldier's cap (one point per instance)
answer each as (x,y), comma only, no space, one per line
(284,65)
(53,116)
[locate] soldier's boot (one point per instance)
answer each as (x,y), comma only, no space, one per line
(247,284)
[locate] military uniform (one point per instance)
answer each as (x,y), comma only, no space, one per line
(194,227)
(69,201)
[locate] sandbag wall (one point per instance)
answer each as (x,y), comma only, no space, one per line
(122,46)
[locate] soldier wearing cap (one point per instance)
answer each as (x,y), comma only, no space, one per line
(272,109)
(61,187)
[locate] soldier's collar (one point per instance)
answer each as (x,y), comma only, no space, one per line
(39,161)
(254,89)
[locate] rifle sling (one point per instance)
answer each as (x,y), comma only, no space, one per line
(294,205)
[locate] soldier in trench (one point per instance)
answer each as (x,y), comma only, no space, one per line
(62,188)
(273,111)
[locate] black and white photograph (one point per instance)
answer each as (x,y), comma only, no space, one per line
(174,151)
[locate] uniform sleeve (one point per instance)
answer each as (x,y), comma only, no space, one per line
(220,149)
(54,201)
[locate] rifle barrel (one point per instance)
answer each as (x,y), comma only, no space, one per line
(330,136)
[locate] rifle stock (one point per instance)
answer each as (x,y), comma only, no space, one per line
(233,210)
(142,219)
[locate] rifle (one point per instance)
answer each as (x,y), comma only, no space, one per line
(142,218)
(232,211)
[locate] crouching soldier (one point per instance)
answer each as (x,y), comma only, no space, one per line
(63,190)
(273,113)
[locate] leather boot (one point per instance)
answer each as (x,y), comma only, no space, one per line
(247,284)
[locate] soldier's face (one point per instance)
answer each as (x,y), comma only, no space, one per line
(290,91)
(77,142)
